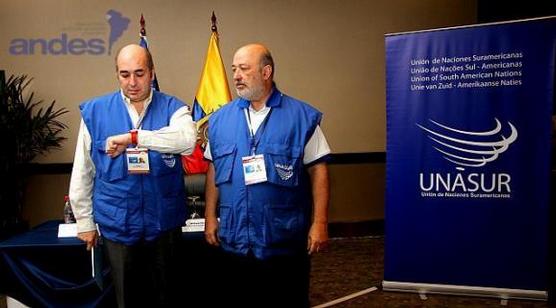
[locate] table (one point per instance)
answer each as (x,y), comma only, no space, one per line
(41,270)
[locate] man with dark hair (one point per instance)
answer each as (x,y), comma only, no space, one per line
(127,180)
(269,178)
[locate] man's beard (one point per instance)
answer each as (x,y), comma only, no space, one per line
(251,94)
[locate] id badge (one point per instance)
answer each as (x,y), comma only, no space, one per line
(253,169)
(137,160)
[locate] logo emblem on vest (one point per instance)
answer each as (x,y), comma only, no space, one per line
(169,160)
(284,171)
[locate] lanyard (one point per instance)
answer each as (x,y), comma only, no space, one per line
(142,116)
(255,138)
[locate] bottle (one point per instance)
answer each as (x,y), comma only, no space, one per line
(68,212)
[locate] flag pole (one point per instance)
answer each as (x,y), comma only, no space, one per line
(213,20)
(143,32)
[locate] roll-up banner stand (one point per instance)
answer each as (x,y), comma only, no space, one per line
(468,159)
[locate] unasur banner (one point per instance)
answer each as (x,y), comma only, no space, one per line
(468,158)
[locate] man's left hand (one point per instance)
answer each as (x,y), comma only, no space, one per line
(318,238)
(116,145)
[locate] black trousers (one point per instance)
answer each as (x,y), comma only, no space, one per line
(281,281)
(144,274)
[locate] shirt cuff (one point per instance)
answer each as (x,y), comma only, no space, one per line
(85,225)
(325,159)
(144,137)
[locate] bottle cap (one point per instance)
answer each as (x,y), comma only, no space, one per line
(66,198)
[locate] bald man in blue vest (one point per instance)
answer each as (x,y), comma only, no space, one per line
(268,178)
(127,179)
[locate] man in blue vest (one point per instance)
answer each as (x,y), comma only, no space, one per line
(269,179)
(127,179)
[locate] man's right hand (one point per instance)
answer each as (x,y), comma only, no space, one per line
(116,145)
(211,231)
(89,237)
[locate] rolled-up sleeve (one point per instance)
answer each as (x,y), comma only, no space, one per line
(178,137)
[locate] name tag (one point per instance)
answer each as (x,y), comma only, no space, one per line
(253,169)
(137,160)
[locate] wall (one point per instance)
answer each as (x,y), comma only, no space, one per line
(329,53)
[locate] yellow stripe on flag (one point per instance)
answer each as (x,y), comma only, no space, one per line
(213,91)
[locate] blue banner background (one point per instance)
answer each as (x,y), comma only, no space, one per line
(473,241)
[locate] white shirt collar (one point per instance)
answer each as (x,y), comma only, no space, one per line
(261,111)
(147,101)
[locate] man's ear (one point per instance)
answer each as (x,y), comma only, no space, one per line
(152,74)
(267,72)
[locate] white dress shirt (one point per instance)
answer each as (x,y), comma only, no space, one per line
(178,137)
(316,147)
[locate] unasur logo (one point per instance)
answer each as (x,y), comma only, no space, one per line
(67,44)
(473,149)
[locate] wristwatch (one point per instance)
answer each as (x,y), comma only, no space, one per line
(133,133)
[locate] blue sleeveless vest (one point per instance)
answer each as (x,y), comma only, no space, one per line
(270,218)
(126,207)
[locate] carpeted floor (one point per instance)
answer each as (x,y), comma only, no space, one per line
(355,264)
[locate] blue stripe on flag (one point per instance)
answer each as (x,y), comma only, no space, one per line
(197,112)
